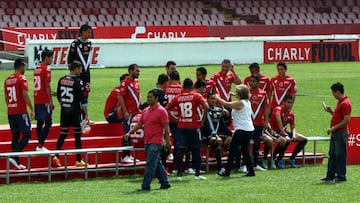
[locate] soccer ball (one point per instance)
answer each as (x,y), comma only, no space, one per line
(85,128)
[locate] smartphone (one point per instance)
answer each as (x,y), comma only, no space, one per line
(324,106)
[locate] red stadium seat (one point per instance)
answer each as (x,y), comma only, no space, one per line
(9,11)
(112,11)
(95,11)
(29,4)
(46,4)
(86,11)
(55,4)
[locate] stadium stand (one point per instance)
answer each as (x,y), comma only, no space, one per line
(41,13)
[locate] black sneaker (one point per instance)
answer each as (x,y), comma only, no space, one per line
(337,179)
(223,173)
(164,187)
(327,179)
(249,174)
(143,190)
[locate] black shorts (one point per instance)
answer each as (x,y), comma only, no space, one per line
(256,136)
(205,140)
(20,123)
(70,118)
(278,134)
(43,112)
(190,138)
(112,117)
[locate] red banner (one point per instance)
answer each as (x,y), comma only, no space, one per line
(19,35)
(311,51)
(353,141)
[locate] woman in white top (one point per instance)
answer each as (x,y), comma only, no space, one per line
(243,126)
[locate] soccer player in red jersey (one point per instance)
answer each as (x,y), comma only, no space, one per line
(282,85)
(210,84)
(264,83)
(224,79)
(80,51)
(260,115)
(130,102)
(112,110)
(340,119)
(280,118)
(17,98)
(42,98)
(173,88)
(189,124)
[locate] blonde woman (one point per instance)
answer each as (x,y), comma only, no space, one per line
(243,126)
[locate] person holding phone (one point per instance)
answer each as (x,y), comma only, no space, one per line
(338,130)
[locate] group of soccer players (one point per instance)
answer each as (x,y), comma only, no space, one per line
(72,92)
(196,117)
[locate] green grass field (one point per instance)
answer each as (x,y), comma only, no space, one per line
(296,185)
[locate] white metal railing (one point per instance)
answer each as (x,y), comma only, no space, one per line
(21,46)
(65,170)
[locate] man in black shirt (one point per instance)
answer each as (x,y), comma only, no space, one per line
(215,131)
(70,94)
(80,51)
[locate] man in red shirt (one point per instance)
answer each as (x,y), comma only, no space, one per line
(189,124)
(17,98)
(264,83)
(224,79)
(155,122)
(130,101)
(112,110)
(280,118)
(260,115)
(210,84)
(42,98)
(339,131)
(282,85)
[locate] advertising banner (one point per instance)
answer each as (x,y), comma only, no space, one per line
(61,51)
(151,52)
(317,51)
(353,141)
(19,35)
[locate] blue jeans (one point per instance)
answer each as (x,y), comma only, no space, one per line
(337,155)
(154,166)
